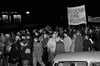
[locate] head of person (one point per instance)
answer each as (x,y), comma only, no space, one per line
(7,35)
(23,37)
(65,35)
(27,30)
(28,37)
(41,30)
(45,35)
(90,30)
(58,38)
(35,39)
(74,35)
(54,35)
(36,33)
(19,33)
(87,37)
(17,38)
(2,34)
(40,37)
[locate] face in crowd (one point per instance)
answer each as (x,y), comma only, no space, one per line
(54,35)
(86,37)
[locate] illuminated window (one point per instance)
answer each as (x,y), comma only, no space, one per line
(5,18)
(17,18)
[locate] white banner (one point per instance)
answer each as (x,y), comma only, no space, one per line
(76,15)
(94,19)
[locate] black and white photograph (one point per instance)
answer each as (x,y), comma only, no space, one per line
(49,33)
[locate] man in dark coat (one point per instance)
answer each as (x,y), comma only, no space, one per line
(86,44)
(25,52)
(14,55)
(97,44)
(45,52)
(78,42)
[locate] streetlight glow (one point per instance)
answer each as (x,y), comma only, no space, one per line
(27,12)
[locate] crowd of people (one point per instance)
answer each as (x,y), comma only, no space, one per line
(27,47)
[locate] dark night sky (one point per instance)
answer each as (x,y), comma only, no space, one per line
(49,11)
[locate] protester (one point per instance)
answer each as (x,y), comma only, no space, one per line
(25,52)
(59,46)
(44,45)
(73,43)
(67,43)
(38,52)
(51,43)
(86,44)
(78,42)
(13,55)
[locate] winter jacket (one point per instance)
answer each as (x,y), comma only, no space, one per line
(38,50)
(59,47)
(78,43)
(26,53)
(51,45)
(14,54)
(67,44)
(86,45)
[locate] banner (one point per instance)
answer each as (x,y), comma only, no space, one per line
(76,15)
(93,19)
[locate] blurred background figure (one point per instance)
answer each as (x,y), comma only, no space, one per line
(87,45)
(78,42)
(51,45)
(67,43)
